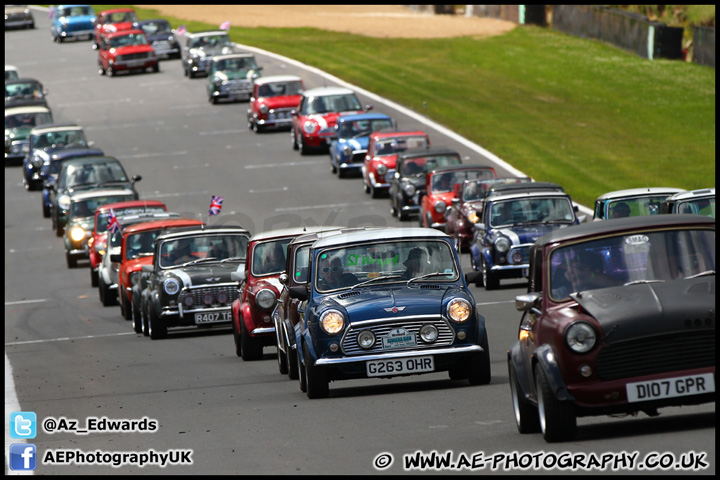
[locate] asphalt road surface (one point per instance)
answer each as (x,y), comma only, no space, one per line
(68,358)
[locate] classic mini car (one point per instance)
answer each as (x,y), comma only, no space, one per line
(632,202)
(387,302)
(43,141)
(197,49)
(136,250)
(88,173)
(189,281)
(18,16)
(509,225)
(72,21)
(619,318)
(161,37)
(80,218)
(407,185)
(126,51)
(697,202)
(11,73)
(314,120)
(349,142)
(18,123)
(465,209)
(98,241)
(50,170)
(116,20)
(231,77)
(272,100)
(442,186)
(24,92)
(108,270)
(252,313)
(383,149)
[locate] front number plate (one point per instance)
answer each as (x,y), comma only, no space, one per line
(670,387)
(212,317)
(399,366)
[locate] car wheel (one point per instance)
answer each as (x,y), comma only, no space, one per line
(558,421)
(293,139)
(479,366)
(490,280)
(70,260)
(251,347)
(281,355)
(136,316)
(106,295)
(59,229)
(236,339)
(61,39)
(374,192)
(45,210)
(125,305)
(302,377)
(157,328)
(144,320)
(302,146)
(402,215)
(526,415)
(93,277)
(101,70)
(156,68)
(292,361)
(317,380)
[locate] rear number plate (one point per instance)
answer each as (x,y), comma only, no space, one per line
(399,366)
(670,387)
(212,317)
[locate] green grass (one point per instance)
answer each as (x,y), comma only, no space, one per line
(580,113)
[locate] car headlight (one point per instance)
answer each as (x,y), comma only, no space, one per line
(332,322)
(77,234)
(264,109)
(473,216)
(347,151)
(409,189)
(440,206)
(459,310)
(580,337)
(502,244)
(64,202)
(37,162)
(171,286)
(382,169)
(309,127)
(265,299)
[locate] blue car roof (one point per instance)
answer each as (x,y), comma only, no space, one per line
(363,116)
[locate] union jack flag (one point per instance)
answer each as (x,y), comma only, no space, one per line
(225,25)
(216,205)
(113,224)
(181,30)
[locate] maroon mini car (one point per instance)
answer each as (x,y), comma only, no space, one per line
(619,318)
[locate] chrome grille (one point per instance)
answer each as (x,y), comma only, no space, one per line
(198,292)
(382,328)
(238,85)
(358,156)
(133,56)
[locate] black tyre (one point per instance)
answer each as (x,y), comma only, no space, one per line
(157,327)
(526,414)
(558,421)
(318,385)
(490,280)
(251,348)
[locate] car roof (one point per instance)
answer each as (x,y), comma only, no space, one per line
(507,188)
(213,230)
(612,225)
(133,218)
(527,194)
(22,80)
(217,58)
(313,237)
(163,224)
(54,127)
(289,232)
(426,152)
(702,192)
(461,167)
(65,153)
(123,33)
(394,132)
(389,233)
(26,109)
(322,91)
(277,78)
(90,160)
(206,32)
(152,20)
(116,10)
(633,192)
(363,116)
(132,203)
(101,192)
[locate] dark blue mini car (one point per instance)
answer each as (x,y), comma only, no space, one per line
(383,303)
(42,142)
(349,144)
(51,168)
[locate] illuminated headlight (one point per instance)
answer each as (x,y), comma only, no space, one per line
(134,278)
(382,169)
(77,234)
(265,299)
(309,127)
(64,202)
(502,244)
(580,337)
(440,206)
(459,310)
(171,286)
(366,339)
(264,109)
(428,333)
(473,216)
(332,322)
(409,189)
(347,151)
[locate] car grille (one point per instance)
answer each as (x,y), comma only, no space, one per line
(203,63)
(358,156)
(349,344)
(660,354)
(162,45)
(280,114)
(238,86)
(198,293)
(16,17)
(133,56)
(78,27)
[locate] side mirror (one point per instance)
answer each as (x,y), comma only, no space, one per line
(526,302)
(300,292)
(146,269)
(472,277)
(283,278)
(238,276)
(368,107)
(136,178)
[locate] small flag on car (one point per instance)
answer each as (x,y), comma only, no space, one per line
(216,205)
(181,30)
(113,224)
(225,25)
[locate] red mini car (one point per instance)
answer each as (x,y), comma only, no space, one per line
(115,20)
(383,149)
(137,250)
(314,121)
(440,185)
(97,243)
(252,313)
(272,101)
(126,51)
